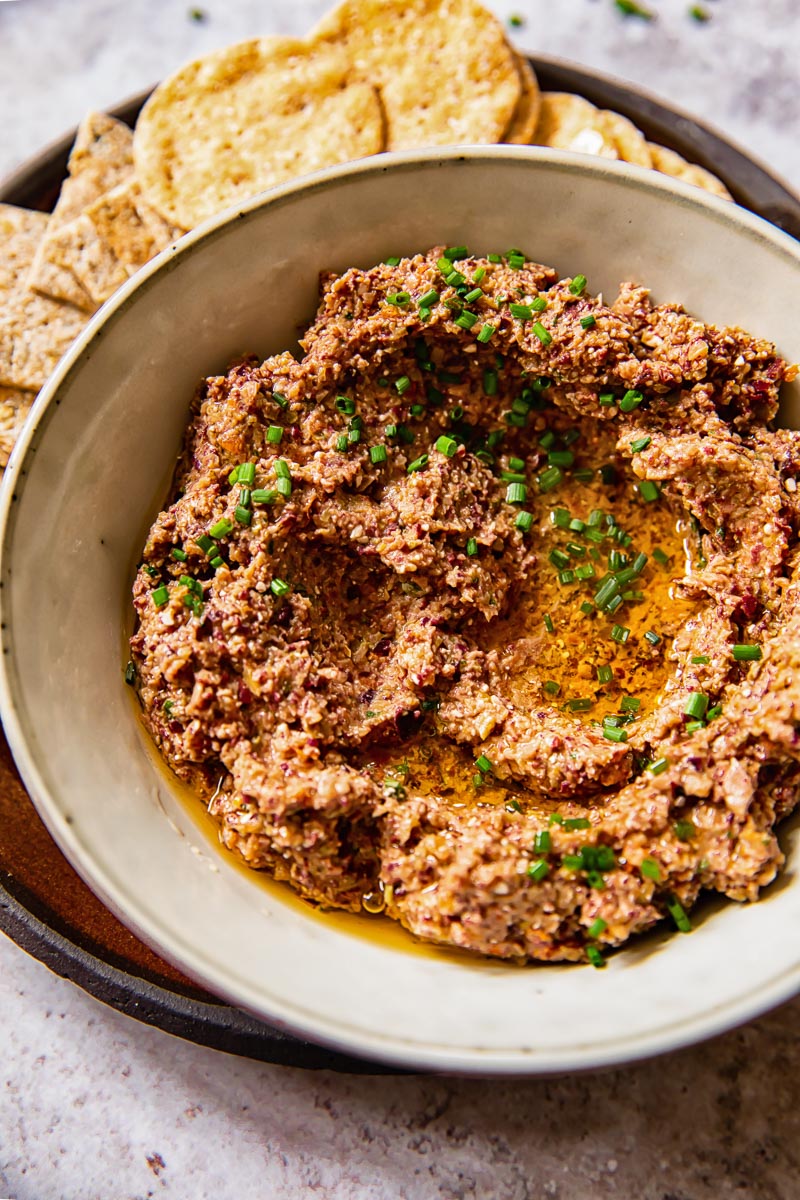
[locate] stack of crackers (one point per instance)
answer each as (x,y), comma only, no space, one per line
(374,75)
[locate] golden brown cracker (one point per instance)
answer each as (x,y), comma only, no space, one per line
(444,69)
(670,163)
(629,142)
(15,405)
(34,330)
(243,119)
(568,122)
(522,128)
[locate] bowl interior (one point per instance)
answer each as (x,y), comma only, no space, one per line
(89,476)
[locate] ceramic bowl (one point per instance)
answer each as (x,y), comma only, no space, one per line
(89,474)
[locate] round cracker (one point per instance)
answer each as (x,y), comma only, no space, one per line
(526,115)
(669,163)
(445,71)
(568,122)
(245,118)
(630,142)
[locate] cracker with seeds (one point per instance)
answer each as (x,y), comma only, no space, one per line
(15,405)
(240,120)
(568,122)
(522,129)
(670,163)
(106,244)
(444,69)
(101,159)
(35,330)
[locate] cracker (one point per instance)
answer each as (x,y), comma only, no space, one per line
(101,159)
(243,119)
(15,405)
(670,163)
(568,122)
(94,254)
(443,67)
(522,129)
(35,331)
(629,142)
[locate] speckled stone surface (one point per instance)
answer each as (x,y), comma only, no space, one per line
(94,1105)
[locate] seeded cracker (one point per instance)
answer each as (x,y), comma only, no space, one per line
(569,122)
(526,115)
(101,159)
(34,330)
(14,408)
(443,67)
(106,244)
(670,163)
(243,119)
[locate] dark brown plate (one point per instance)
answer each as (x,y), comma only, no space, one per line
(44,905)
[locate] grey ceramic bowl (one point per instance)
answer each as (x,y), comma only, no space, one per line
(89,474)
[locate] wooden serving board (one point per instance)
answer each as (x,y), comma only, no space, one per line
(44,905)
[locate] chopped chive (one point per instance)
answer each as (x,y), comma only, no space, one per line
(607,399)
(217,562)
(454,253)
(342,442)
(516,493)
(678,914)
(151,570)
(428,299)
(578,284)
(455,279)
(684,830)
(606,592)
(605,674)
(608,473)
(620,633)
(130,674)
(486,333)
(560,518)
(472,547)
(577,823)
(402,384)
(524,521)
(280,399)
(558,558)
(580,704)
(584,571)
(483,764)
(179,555)
(160,595)
(494,258)
(243,515)
(640,444)
(587,608)
(345,405)
(353,437)
(221,528)
(417,464)
(551,687)
(576,525)
(523,312)
(652,637)
(274,434)
(661,557)
(205,543)
(630,704)
(550,479)
(467,320)
(490,382)
(538,870)
(696,706)
(548,623)
(588,322)
(596,928)
(546,441)
(631,400)
(281,469)
(378,454)
(693,726)
(284,486)
(247,473)
(456,413)
(595,957)
(263,496)
(742,652)
(475,294)
(583,475)
(714,712)
(398,299)
(658,767)
(614,735)
(631,8)
(560,458)
(394,261)
(700,659)
(446,445)
(576,550)
(516,464)
(279,587)
(544,337)
(649,490)
(650,869)
(542,842)
(639,563)
(565,577)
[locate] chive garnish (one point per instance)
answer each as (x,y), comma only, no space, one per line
(640,444)
(179,555)
(345,405)
(658,767)
(467,320)
(247,473)
(523,312)
(684,830)
(222,528)
(678,914)
(353,436)
(454,253)
(578,284)
(402,384)
(483,764)
(284,485)
(577,823)
(649,490)
(650,869)
(700,659)
(548,623)
(550,479)
(614,735)
(524,521)
(342,442)
(652,637)
(588,322)
(472,547)
(446,445)
(607,399)
(630,704)
(205,543)
(696,706)
(597,927)
(378,454)
(130,673)
(279,587)
(418,464)
(542,842)
(485,335)
(428,299)
(551,687)
(243,515)
(516,493)
(631,400)
(620,633)
(544,337)
(580,704)
(742,652)
(280,399)
(263,496)
(394,261)
(605,674)
(538,869)
(398,299)
(274,434)
(217,562)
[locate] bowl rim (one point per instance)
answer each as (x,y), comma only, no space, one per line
(744,1005)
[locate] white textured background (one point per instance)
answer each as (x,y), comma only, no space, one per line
(94,1105)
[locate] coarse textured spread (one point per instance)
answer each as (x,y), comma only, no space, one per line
(486,611)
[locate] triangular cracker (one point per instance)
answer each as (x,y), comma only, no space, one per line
(15,405)
(34,330)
